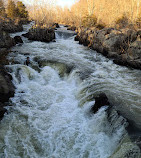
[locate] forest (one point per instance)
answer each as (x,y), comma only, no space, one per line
(85,13)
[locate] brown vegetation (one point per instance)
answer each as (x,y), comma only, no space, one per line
(89,12)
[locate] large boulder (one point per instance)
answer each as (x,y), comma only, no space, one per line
(5,40)
(100,101)
(134,50)
(18,39)
(40,34)
(7,88)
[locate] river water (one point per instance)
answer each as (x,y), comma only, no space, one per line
(50,114)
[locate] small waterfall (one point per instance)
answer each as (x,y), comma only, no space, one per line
(64,33)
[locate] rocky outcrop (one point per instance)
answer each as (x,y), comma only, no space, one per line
(11,26)
(40,34)
(6,86)
(18,39)
(100,101)
(124,45)
(6,89)
(5,40)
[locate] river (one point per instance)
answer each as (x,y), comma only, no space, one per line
(50,114)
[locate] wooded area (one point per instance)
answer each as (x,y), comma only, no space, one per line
(83,12)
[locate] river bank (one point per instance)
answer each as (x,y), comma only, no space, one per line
(122,45)
(7,88)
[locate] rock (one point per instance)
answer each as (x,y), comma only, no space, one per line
(72,28)
(5,40)
(2,112)
(112,55)
(124,45)
(25,35)
(135,49)
(66,25)
(56,25)
(18,39)
(113,42)
(40,34)
(76,38)
(3,54)
(100,101)
(11,26)
(53,40)
(7,88)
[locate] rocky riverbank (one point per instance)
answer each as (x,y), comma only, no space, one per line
(122,45)
(6,86)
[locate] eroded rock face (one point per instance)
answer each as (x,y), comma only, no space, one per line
(40,34)
(124,45)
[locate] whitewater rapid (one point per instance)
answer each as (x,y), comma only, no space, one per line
(50,114)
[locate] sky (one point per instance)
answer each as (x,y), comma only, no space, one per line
(61,3)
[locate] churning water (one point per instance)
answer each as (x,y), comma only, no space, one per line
(50,114)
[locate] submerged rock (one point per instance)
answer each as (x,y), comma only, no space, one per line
(100,101)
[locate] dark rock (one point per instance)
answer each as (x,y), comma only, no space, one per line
(76,38)
(5,40)
(18,39)
(25,35)
(40,34)
(66,25)
(100,101)
(72,28)
(56,25)
(2,112)
(112,55)
(7,88)
(12,27)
